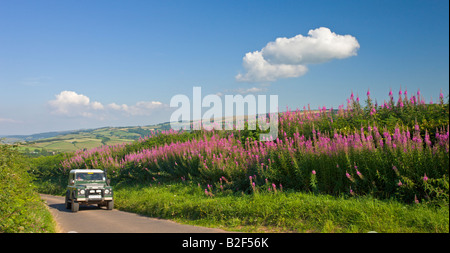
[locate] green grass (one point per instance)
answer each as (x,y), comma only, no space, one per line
(88,139)
(89,143)
(91,138)
(60,145)
(281,212)
(73,142)
(21,209)
(118,141)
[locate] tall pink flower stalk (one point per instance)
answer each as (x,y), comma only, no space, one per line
(218,155)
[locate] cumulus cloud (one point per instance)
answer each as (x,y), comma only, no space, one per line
(69,103)
(251,90)
(288,57)
(140,108)
(260,70)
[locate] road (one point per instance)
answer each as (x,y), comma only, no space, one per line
(91,219)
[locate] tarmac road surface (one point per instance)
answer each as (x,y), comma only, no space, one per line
(92,219)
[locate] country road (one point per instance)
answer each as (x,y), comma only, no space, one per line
(91,219)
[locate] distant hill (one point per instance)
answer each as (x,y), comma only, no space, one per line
(66,141)
(31,137)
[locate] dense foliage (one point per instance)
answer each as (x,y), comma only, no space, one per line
(399,149)
(21,209)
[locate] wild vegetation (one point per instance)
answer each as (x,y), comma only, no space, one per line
(21,209)
(398,149)
(358,168)
(280,211)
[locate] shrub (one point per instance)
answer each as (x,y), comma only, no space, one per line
(21,209)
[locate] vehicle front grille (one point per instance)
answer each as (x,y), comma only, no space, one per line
(94,192)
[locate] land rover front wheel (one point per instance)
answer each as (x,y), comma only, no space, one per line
(110,205)
(68,204)
(75,206)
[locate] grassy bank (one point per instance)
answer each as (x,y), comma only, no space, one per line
(281,211)
(21,209)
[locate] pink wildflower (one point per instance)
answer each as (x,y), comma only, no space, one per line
(349,176)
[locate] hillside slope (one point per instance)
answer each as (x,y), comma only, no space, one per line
(69,141)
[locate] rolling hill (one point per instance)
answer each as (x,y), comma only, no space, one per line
(67,141)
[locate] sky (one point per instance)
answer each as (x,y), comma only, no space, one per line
(67,65)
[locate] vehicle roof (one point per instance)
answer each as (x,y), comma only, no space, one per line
(87,170)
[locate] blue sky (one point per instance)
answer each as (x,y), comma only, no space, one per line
(84,64)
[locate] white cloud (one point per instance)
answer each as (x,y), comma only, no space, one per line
(140,108)
(259,70)
(69,103)
(321,45)
(115,106)
(251,90)
(97,106)
(288,57)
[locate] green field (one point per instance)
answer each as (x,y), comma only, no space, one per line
(87,139)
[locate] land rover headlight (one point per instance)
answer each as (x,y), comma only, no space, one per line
(106,191)
(82,191)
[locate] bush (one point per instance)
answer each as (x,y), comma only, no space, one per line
(21,209)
